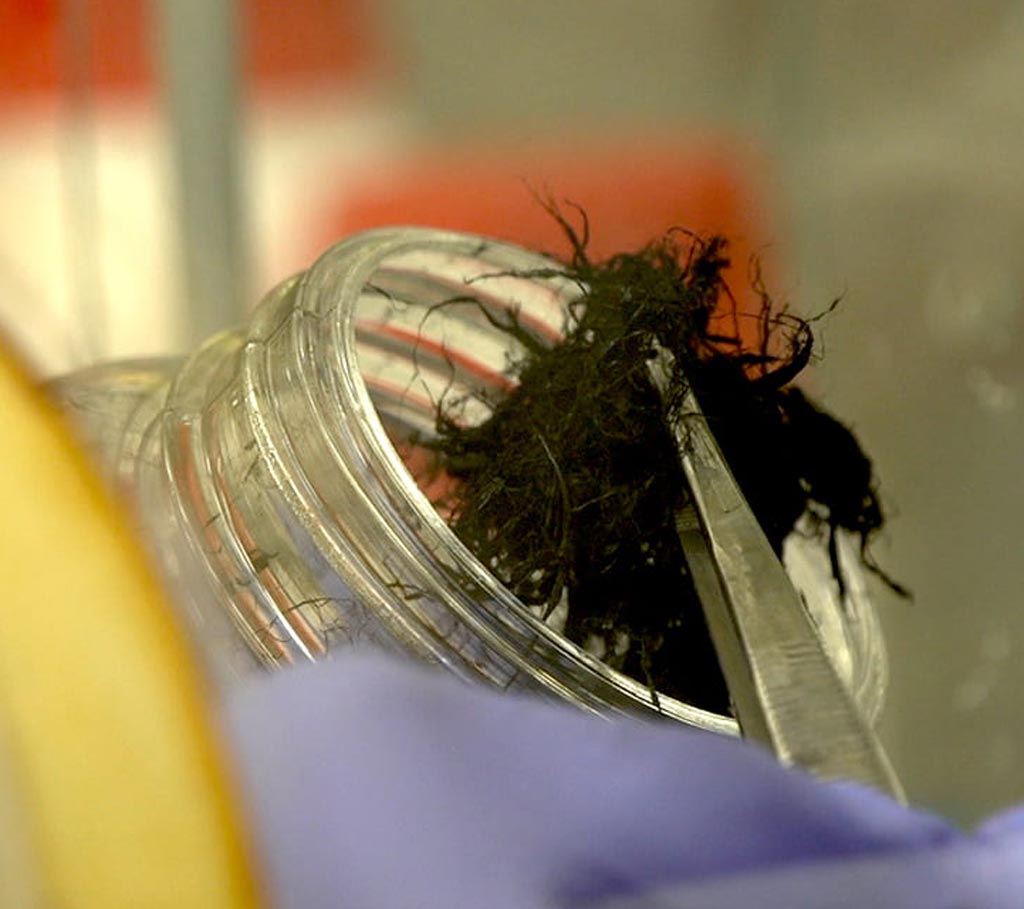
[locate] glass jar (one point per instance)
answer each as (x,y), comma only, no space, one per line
(270,475)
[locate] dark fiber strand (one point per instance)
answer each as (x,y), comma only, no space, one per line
(568,491)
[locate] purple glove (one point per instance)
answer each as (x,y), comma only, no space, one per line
(379,784)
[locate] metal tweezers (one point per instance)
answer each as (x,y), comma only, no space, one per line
(783,686)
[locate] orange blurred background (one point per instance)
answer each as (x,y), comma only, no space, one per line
(329,148)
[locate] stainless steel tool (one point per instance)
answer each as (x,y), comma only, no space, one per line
(785,691)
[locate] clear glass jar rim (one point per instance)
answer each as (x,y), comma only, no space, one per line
(331,288)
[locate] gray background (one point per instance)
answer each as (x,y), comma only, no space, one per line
(895,133)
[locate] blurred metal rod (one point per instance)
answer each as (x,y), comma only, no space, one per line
(80,185)
(197,42)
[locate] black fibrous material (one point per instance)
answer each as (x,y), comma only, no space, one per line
(569,490)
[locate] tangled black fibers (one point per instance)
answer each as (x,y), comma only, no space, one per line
(569,490)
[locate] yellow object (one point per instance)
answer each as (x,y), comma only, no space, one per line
(122,790)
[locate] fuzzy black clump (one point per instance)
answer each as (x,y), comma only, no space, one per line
(569,490)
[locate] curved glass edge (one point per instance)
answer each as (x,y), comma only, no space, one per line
(330,288)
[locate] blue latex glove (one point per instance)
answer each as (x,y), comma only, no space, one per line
(376,784)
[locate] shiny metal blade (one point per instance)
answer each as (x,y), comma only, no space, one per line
(784,688)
